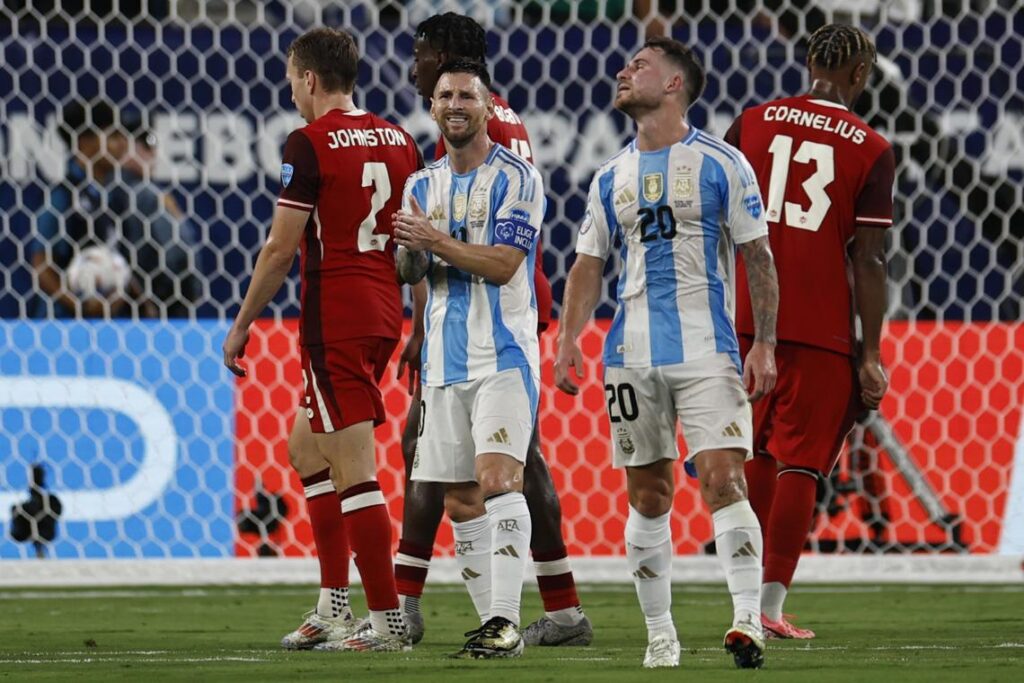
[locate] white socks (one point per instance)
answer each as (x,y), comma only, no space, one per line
(649,554)
(739,546)
(773,596)
(473,557)
(333,603)
(510,549)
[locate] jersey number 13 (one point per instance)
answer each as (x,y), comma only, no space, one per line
(825,172)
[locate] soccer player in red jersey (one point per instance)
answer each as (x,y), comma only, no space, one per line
(439,39)
(341,179)
(827,180)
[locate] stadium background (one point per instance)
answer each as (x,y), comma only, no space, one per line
(155,450)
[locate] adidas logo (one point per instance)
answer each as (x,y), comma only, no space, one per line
(508,551)
(746,550)
(645,572)
(732,430)
(437,214)
(468,574)
(627,196)
(500,436)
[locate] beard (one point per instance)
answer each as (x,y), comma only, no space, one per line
(463,136)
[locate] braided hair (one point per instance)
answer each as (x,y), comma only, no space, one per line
(834,46)
(456,35)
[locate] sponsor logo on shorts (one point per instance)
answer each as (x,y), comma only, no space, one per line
(732,430)
(508,525)
(625,441)
(463,547)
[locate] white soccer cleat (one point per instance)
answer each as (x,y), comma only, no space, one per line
(367,640)
(316,629)
(745,642)
(662,653)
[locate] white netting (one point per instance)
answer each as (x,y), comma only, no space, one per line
(154,451)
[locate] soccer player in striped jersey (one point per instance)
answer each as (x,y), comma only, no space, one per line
(827,179)
(477,212)
(339,185)
(676,201)
(438,39)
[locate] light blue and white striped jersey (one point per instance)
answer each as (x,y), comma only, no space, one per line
(677,214)
(475,328)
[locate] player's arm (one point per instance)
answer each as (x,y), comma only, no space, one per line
(583,286)
(582,294)
(300,180)
(746,221)
(763,284)
(410,357)
(272,266)
(873,216)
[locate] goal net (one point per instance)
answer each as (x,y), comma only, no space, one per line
(124,438)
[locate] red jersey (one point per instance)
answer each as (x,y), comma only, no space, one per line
(506,128)
(822,172)
(348,170)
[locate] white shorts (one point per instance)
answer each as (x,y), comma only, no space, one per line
(458,422)
(706,394)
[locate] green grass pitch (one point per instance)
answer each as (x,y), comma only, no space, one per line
(866,633)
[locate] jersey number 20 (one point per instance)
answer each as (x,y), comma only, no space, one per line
(825,172)
(376,174)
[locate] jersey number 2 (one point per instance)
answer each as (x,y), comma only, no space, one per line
(376,174)
(825,172)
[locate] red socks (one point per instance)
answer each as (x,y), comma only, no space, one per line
(789,523)
(369,533)
(328,530)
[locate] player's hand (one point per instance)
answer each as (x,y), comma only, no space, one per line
(410,359)
(873,381)
(413,230)
(234,348)
(569,356)
(759,373)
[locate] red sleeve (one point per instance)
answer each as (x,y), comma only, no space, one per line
(732,136)
(439,150)
(300,173)
(874,204)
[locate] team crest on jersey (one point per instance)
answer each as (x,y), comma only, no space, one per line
(654,186)
(625,442)
(477,207)
(459,207)
(287,171)
(682,184)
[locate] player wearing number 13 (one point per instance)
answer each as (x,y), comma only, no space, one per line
(677,200)
(828,180)
(341,178)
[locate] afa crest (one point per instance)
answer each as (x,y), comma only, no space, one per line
(477,207)
(654,186)
(682,185)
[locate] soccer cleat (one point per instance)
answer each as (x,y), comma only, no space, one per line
(784,629)
(546,632)
(745,642)
(414,626)
(498,638)
(316,629)
(662,653)
(368,640)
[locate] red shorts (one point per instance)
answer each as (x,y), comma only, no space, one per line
(339,382)
(805,420)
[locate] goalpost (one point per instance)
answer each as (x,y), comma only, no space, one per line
(168,470)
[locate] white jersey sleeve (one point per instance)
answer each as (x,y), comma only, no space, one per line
(745,217)
(595,234)
(520,212)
